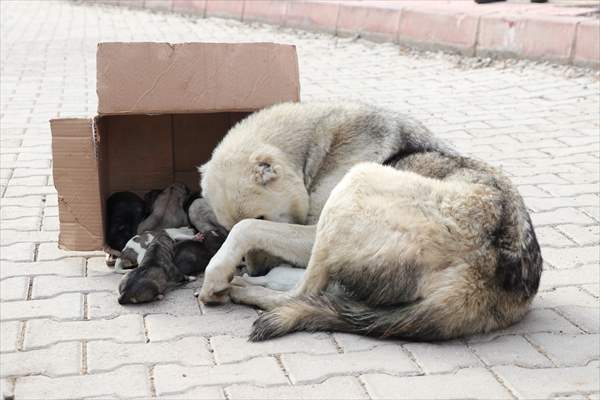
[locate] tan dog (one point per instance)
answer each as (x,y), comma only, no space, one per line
(431,246)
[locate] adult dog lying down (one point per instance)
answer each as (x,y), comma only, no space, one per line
(400,235)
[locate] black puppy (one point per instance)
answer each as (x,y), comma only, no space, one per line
(125,211)
(192,256)
(155,275)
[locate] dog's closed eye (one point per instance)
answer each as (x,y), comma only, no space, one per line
(260,217)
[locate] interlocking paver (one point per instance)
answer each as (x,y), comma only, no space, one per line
(66,267)
(56,360)
(261,371)
(105,355)
(308,368)
(126,328)
(539,123)
(233,349)
(130,381)
(521,352)
(442,357)
(105,305)
(14,288)
(66,306)
(568,350)
(342,388)
(167,327)
(548,382)
(9,332)
(466,383)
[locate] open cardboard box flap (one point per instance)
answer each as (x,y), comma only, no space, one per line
(162,108)
(146,78)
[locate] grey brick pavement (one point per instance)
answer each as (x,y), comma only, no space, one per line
(63,334)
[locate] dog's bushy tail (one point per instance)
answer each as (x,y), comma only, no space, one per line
(335,311)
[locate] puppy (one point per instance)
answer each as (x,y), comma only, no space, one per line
(202,217)
(125,211)
(135,250)
(166,209)
(155,275)
(192,256)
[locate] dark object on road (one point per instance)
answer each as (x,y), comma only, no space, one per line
(192,256)
(125,212)
(155,275)
(166,208)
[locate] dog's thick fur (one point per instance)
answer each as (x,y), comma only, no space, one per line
(400,235)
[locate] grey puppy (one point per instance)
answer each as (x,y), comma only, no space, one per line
(155,275)
(203,218)
(166,209)
(192,256)
(136,247)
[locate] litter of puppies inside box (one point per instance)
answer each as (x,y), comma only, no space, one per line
(126,179)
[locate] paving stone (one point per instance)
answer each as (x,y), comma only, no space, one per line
(571,190)
(572,257)
(18,252)
(50,251)
(568,350)
(536,320)
(124,329)
(66,306)
(342,388)
(25,201)
(48,286)
(178,302)
(198,393)
(259,371)
(560,216)
(350,342)
(56,360)
(233,349)
(521,352)
(442,357)
(594,290)
(307,368)
(474,383)
(168,327)
(583,235)
(587,318)
(9,332)
(8,237)
(6,389)
(107,355)
(548,382)
(589,273)
(14,288)
(22,224)
(549,236)
(13,212)
(565,296)
(545,203)
(96,266)
(66,267)
(18,191)
(130,381)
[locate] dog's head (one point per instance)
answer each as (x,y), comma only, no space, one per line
(137,287)
(262,184)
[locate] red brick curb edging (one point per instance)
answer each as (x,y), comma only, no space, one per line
(532,31)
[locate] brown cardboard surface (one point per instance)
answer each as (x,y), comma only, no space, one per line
(162,110)
(75,171)
(140,78)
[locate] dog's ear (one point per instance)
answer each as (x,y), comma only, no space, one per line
(264,169)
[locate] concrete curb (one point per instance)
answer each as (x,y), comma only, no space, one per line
(567,35)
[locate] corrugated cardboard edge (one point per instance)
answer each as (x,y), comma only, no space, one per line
(194,77)
(75,171)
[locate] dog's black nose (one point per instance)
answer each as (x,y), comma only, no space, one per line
(122,300)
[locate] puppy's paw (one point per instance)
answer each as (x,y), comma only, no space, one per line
(239,281)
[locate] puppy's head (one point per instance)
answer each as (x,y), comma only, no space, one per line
(136,288)
(262,184)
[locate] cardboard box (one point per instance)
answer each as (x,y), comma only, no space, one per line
(162,108)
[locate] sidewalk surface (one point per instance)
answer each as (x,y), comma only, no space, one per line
(564,31)
(63,334)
